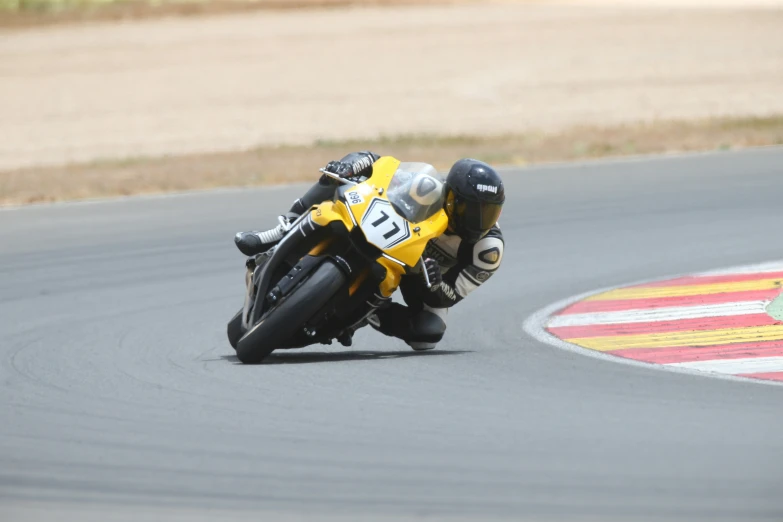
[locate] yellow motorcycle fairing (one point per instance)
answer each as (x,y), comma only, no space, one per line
(367,206)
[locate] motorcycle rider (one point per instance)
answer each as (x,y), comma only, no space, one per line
(457,262)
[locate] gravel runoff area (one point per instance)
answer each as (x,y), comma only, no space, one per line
(177,86)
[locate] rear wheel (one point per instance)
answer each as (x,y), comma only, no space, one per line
(284,320)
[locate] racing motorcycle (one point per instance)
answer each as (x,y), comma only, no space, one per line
(340,261)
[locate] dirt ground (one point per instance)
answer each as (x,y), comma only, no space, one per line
(234,82)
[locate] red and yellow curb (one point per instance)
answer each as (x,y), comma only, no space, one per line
(713,322)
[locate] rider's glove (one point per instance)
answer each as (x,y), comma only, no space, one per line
(355,164)
(432,269)
(344,170)
(361,162)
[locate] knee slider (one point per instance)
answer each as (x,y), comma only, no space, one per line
(427,327)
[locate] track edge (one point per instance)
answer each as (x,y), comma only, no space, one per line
(535,325)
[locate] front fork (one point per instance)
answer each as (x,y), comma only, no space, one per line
(262,274)
(250,288)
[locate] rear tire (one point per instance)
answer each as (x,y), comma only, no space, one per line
(285,320)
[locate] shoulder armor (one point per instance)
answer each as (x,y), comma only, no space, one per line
(488,252)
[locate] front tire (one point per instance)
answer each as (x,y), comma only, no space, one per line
(234,329)
(282,322)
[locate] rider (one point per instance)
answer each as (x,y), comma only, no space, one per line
(457,262)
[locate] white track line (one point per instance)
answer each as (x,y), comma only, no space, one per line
(761,268)
(672,313)
(535,326)
(735,366)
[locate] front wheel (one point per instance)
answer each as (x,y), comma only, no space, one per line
(234,329)
(284,320)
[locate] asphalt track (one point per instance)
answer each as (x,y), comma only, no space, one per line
(119,394)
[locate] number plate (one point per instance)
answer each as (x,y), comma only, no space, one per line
(382,226)
(354,198)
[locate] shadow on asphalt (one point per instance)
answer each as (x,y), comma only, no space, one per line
(325,357)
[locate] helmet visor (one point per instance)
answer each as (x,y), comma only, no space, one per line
(475,217)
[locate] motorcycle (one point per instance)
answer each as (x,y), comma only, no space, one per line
(341,261)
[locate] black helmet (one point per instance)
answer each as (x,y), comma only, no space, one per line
(474,197)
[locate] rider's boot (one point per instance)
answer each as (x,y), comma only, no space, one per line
(253,243)
(346,337)
(421,329)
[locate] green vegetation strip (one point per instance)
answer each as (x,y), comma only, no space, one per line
(269,165)
(22,14)
(61,5)
(19,14)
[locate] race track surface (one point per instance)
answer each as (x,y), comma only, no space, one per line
(119,392)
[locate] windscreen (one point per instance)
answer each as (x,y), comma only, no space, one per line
(416,191)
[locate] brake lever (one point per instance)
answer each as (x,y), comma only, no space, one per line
(336,177)
(426,275)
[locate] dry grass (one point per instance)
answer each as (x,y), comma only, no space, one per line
(269,165)
(32,13)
